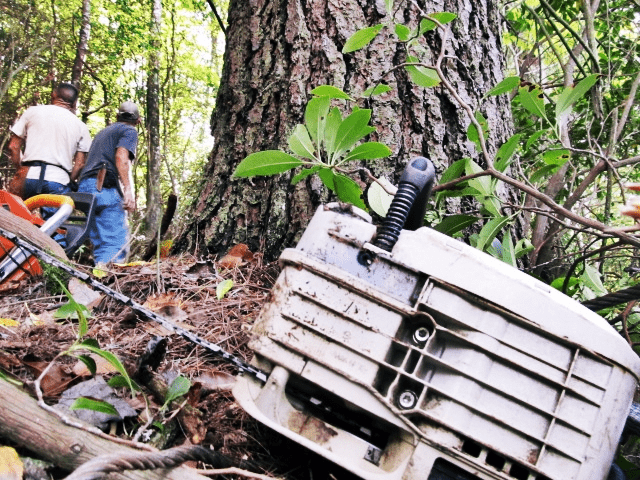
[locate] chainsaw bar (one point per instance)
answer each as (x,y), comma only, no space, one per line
(239,363)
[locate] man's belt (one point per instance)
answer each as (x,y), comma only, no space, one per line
(43,168)
(43,165)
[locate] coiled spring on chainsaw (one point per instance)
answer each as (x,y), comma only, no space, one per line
(396,216)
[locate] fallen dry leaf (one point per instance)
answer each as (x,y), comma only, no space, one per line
(11,467)
(157,329)
(8,360)
(192,422)
(8,322)
(201,269)
(167,305)
(235,257)
(216,381)
(102,367)
(54,382)
(84,294)
(159,301)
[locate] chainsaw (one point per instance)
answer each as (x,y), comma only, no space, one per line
(397,352)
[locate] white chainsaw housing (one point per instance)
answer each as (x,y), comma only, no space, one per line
(436,361)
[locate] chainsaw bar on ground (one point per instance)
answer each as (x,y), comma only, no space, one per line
(34,249)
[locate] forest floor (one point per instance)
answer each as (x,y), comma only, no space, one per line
(185,291)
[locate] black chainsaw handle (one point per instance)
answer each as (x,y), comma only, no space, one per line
(409,203)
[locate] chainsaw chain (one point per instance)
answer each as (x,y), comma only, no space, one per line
(240,364)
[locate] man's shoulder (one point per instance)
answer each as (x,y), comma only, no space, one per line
(36,110)
(118,128)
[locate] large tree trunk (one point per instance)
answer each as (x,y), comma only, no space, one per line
(83,44)
(154,196)
(278,51)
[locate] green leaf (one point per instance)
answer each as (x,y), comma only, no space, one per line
(89,362)
(559,282)
(369,151)
(421,76)
(300,143)
(80,310)
(542,173)
(377,90)
(591,279)
(508,250)
(485,190)
(505,152)
(304,174)
(534,138)
(89,342)
(452,193)
(556,157)
(9,379)
(268,162)
(490,230)
(84,403)
(352,129)
(334,120)
(442,17)
(326,175)
(455,223)
(504,86)
(348,191)
(570,95)
(91,345)
(361,38)
(223,288)
(454,170)
(472,131)
(403,32)
(330,91)
(72,310)
(118,381)
(389,6)
(426,25)
(378,198)
(160,426)
(315,115)
(532,99)
(179,387)
(523,247)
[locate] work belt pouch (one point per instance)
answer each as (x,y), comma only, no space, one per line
(110,180)
(102,173)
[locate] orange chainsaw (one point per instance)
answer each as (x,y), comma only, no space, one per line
(70,223)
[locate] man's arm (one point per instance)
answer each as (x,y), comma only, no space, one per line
(79,160)
(123,165)
(15,148)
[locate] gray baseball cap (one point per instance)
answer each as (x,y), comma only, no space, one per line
(128,111)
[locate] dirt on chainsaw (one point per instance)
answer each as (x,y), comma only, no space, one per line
(186,291)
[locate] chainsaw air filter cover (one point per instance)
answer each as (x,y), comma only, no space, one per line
(434,361)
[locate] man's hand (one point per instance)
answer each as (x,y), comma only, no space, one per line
(79,160)
(123,165)
(128,201)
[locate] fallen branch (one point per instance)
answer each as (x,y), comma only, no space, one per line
(235,471)
(24,423)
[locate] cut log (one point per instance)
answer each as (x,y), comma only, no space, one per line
(28,231)
(24,423)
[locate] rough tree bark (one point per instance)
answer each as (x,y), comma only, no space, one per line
(83,44)
(278,51)
(154,197)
